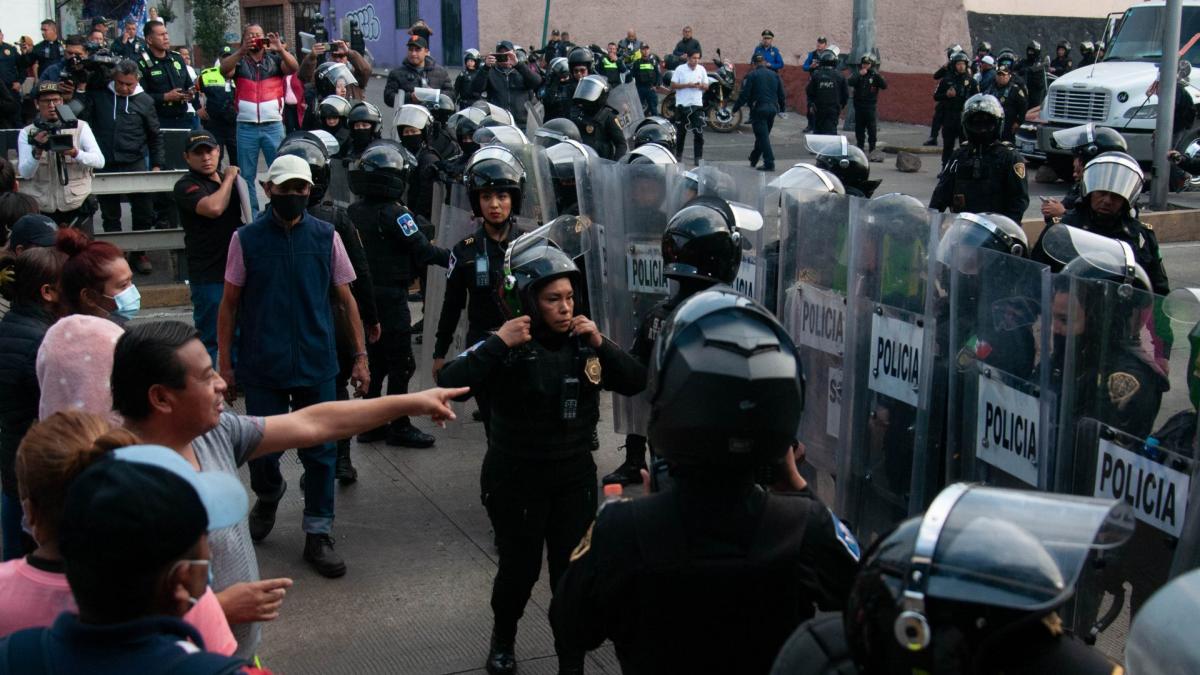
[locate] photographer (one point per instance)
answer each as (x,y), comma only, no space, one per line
(125,125)
(76,71)
(338,52)
(507,82)
(56,159)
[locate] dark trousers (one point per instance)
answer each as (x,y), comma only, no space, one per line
(762,123)
(227,136)
(140,203)
(825,121)
(318,460)
(534,506)
(392,355)
(649,99)
(866,125)
(1010,131)
(936,125)
(950,136)
(691,117)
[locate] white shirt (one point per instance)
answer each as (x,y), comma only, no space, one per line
(89,151)
(684,74)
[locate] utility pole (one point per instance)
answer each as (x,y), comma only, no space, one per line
(864,29)
(1168,75)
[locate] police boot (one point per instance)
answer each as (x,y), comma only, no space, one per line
(409,436)
(262,516)
(344,470)
(626,474)
(502,656)
(373,435)
(318,552)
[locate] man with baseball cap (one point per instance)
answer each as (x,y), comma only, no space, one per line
(280,272)
(508,82)
(134,539)
(417,70)
(768,51)
(55,162)
(32,230)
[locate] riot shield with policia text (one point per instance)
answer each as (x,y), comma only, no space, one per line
(884,474)
(745,186)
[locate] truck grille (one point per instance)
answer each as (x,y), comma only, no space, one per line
(1080,106)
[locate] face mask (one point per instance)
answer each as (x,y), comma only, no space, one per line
(411,143)
(289,207)
(129,303)
(360,137)
(468,147)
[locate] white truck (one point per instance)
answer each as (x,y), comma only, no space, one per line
(1117,91)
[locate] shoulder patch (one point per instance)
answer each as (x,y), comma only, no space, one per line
(450,265)
(468,241)
(1122,387)
(191,188)
(1019,169)
(845,536)
(585,544)
(408,226)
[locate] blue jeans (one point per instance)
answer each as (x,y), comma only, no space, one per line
(10,520)
(251,138)
(206,300)
(318,460)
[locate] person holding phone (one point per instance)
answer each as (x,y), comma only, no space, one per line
(507,82)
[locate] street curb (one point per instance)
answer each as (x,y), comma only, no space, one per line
(916,150)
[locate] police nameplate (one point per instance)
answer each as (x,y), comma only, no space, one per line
(816,318)
(1157,493)
(1007,425)
(591,369)
(896,352)
(644,269)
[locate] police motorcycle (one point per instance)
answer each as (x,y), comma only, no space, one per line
(1126,426)
(718,98)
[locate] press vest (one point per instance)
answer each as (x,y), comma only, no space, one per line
(45,185)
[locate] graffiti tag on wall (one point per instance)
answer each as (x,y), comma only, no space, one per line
(368,22)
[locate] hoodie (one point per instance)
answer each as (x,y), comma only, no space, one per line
(125,126)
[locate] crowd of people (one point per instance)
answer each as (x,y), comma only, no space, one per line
(129,539)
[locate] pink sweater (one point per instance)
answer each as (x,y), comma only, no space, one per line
(31,598)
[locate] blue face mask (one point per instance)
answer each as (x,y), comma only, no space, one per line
(129,303)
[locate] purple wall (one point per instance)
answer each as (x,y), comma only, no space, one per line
(377,19)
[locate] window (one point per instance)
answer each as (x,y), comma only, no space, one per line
(407,14)
(270,18)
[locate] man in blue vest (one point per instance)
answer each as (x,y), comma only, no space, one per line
(279,275)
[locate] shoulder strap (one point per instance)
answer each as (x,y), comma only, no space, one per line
(26,651)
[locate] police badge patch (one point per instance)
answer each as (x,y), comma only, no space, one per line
(1019,169)
(408,226)
(591,369)
(1121,389)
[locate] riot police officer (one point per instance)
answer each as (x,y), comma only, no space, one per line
(1061,63)
(701,247)
(556,131)
(496,182)
(599,127)
(1032,71)
(654,129)
(310,148)
(849,163)
(582,63)
(220,109)
(413,123)
(1013,100)
(935,126)
(972,586)
(952,93)
(334,114)
(365,126)
(562,158)
(542,370)
(396,249)
(827,93)
(1087,53)
(1085,142)
(867,82)
(722,568)
(984,175)
(557,89)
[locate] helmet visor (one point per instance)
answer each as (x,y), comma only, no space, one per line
(1066,244)
(412,115)
(970,230)
(1015,548)
(507,136)
(655,154)
(338,72)
(497,152)
(589,89)
(1075,137)
(827,145)
(495,112)
(331,143)
(1115,173)
(745,217)
(426,96)
(548,137)
(808,177)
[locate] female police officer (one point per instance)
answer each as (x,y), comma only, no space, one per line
(543,371)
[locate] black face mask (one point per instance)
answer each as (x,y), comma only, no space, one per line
(412,143)
(468,147)
(1058,348)
(361,137)
(289,207)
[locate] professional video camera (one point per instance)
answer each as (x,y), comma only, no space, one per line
(58,140)
(95,70)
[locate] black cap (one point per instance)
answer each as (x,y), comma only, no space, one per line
(759,58)
(767,33)
(822,39)
(504,46)
(199,138)
(33,229)
(47,88)
(418,41)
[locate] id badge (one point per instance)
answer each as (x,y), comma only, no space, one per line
(482,277)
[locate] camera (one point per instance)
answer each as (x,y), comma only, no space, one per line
(258,43)
(58,141)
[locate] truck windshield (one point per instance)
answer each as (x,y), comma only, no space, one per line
(1139,38)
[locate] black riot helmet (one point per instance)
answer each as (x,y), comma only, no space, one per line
(1006,57)
(329,74)
(443,109)
(841,158)
(726,384)
(654,129)
(562,159)
(363,111)
(1088,255)
(1065,45)
(464,123)
(311,149)
(382,170)
(591,93)
(495,168)
(1033,50)
(650,153)
(537,258)
(952,50)
(982,119)
(828,59)
(580,56)
(959,57)
(984,47)
(983,230)
(703,240)
(1086,47)
(556,131)
(334,106)
(707,180)
(1087,141)
(560,67)
(974,576)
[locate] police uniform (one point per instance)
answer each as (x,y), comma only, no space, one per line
(1060,66)
(987,180)
(221,108)
(614,71)
(130,50)
(1034,76)
(720,579)
(160,75)
(10,62)
(964,87)
(827,93)
(601,131)
(646,76)
(866,98)
(1138,235)
(44,54)
(1015,102)
(556,99)
(419,196)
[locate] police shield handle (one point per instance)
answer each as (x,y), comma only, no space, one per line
(515,332)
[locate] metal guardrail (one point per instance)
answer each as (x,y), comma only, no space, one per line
(145,240)
(128,182)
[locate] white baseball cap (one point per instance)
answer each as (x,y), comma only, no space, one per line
(289,167)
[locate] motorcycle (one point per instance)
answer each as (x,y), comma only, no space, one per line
(718,98)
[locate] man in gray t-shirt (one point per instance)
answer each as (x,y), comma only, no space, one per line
(164,385)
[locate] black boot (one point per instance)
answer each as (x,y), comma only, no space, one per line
(344,470)
(409,437)
(626,474)
(502,656)
(262,516)
(373,435)
(318,552)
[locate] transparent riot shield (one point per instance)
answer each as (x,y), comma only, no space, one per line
(339,182)
(813,266)
(455,224)
(999,421)
(885,473)
(538,204)
(624,99)
(625,273)
(746,186)
(534,114)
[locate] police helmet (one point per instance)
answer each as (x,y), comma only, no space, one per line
(465,122)
(959,57)
(1086,47)
(654,129)
(327,76)
(1065,44)
(1088,140)
(501,134)
(562,157)
(703,240)
(1006,57)
(953,49)
(939,592)
(983,230)
(592,92)
(312,150)
(364,111)
(1114,172)
(556,131)
(828,58)
(580,56)
(382,170)
(726,384)
(1034,49)
(495,168)
(493,112)
(444,108)
(1088,255)
(532,261)
(334,106)
(982,118)
(560,66)
(471,55)
(650,153)
(1161,639)
(898,216)
(709,180)
(412,115)
(850,165)
(868,59)
(808,177)
(984,46)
